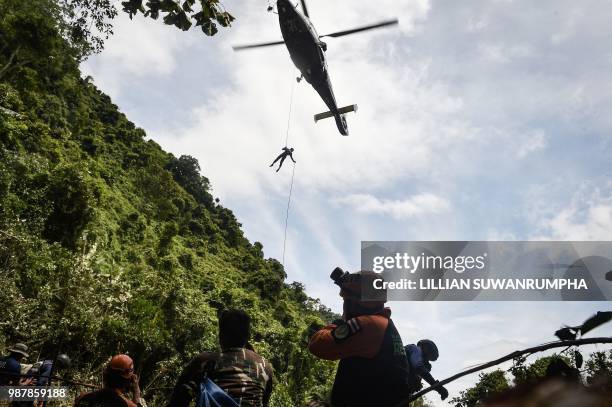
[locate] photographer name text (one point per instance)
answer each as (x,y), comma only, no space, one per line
(482,284)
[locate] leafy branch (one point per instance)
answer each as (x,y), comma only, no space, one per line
(206,13)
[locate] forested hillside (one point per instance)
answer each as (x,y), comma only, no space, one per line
(109,244)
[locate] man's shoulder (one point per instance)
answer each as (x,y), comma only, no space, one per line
(412,347)
(363,326)
(369,322)
(201,360)
(256,357)
(207,356)
(11,364)
(251,354)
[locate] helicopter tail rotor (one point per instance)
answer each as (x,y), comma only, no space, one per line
(339,116)
(328,114)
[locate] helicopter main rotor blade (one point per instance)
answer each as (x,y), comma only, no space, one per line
(304,8)
(359,29)
(249,46)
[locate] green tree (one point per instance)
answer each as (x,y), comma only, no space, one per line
(86,24)
(186,171)
(420,402)
(488,384)
(598,365)
(528,373)
(28,36)
(206,14)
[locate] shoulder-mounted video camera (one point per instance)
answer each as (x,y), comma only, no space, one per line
(338,276)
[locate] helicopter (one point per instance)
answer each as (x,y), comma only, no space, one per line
(307,51)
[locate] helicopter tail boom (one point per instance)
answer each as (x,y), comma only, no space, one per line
(328,114)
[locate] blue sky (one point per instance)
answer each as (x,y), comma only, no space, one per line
(479,120)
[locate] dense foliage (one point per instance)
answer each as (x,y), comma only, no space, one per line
(597,367)
(487,385)
(86,24)
(205,14)
(109,244)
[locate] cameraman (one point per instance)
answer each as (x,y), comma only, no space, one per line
(373,369)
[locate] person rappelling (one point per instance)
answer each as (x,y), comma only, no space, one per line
(287,152)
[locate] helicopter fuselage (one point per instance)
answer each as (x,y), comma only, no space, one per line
(307,52)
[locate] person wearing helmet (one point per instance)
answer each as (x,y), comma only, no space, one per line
(119,380)
(373,370)
(419,356)
(40,374)
(287,152)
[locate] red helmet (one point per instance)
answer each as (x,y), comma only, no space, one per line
(123,365)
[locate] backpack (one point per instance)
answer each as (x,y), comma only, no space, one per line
(211,395)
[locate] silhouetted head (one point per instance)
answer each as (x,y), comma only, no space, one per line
(429,348)
(234,329)
(291,149)
(360,297)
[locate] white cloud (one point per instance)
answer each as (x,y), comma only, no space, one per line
(587,217)
(533,141)
(502,53)
(325,14)
(399,209)
(140,48)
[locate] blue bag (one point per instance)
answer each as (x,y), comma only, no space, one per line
(212,395)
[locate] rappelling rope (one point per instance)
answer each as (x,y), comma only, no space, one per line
(292,172)
(290,109)
(287,214)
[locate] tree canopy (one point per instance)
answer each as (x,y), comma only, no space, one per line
(598,366)
(205,14)
(86,24)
